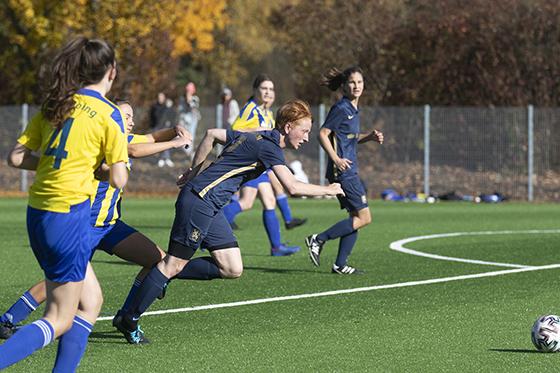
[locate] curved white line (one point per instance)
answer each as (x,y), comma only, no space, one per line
(399,246)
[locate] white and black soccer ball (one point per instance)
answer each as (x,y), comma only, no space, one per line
(546,333)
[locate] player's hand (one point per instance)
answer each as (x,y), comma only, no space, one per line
(335,189)
(184,178)
(343,164)
(181,131)
(183,139)
(377,136)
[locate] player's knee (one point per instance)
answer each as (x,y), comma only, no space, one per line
(246,205)
(232,272)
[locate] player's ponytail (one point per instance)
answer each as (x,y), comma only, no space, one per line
(79,63)
(334,78)
(291,112)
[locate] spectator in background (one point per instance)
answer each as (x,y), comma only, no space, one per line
(229,108)
(189,113)
(168,120)
(157,111)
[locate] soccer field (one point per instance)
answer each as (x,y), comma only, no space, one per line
(463,302)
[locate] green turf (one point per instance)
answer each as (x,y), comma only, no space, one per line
(474,325)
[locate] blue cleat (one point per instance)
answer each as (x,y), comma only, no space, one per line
(133,336)
(284,250)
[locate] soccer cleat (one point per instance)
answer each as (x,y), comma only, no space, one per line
(346,270)
(7,329)
(295,222)
(135,336)
(284,250)
(315,247)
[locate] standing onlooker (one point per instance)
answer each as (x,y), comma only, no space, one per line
(189,113)
(168,120)
(157,111)
(229,108)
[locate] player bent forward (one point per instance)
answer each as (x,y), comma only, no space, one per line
(199,220)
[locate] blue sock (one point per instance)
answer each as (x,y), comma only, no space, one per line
(272,227)
(126,306)
(147,293)
(231,210)
(26,341)
(72,345)
(20,310)
(282,202)
(202,268)
(345,246)
(342,228)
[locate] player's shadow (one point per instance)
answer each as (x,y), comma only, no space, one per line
(282,270)
(117,262)
(515,350)
(112,336)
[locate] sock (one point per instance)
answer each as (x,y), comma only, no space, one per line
(146,294)
(72,345)
(20,310)
(202,268)
(26,341)
(282,203)
(272,227)
(126,306)
(231,210)
(345,246)
(342,228)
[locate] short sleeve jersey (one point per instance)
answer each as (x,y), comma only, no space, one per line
(253,117)
(106,204)
(245,156)
(344,122)
(93,132)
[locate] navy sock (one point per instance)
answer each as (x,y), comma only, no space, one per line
(202,268)
(146,294)
(231,210)
(342,228)
(272,227)
(345,246)
(133,290)
(72,345)
(282,203)
(20,310)
(26,341)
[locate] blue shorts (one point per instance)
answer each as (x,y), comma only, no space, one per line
(355,192)
(263,178)
(106,238)
(61,241)
(200,224)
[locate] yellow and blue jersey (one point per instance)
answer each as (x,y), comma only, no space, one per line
(106,204)
(93,132)
(253,117)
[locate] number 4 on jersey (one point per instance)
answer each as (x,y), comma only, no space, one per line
(59,152)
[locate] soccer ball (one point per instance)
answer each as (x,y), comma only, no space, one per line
(546,333)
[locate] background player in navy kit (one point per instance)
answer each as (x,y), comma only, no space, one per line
(199,219)
(339,137)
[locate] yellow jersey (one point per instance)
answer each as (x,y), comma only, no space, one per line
(253,117)
(94,132)
(106,204)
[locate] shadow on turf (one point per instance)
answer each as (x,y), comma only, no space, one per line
(282,270)
(104,336)
(516,350)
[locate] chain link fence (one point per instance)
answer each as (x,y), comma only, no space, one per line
(438,150)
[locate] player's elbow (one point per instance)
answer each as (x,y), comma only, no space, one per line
(15,159)
(118,175)
(291,189)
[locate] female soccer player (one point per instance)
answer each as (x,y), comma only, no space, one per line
(339,137)
(110,233)
(256,115)
(76,129)
(199,219)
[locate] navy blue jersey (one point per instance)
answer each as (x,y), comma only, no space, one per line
(344,122)
(245,156)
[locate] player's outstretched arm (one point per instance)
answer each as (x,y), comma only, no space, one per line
(160,141)
(297,188)
(22,157)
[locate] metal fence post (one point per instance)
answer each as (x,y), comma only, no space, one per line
(530,152)
(427,149)
(219,122)
(322,154)
(24,120)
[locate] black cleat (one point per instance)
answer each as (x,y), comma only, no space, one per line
(7,329)
(315,247)
(346,270)
(133,336)
(295,222)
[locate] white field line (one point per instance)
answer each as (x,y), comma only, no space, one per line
(346,291)
(399,246)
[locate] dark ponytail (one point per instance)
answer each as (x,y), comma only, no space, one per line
(79,63)
(334,78)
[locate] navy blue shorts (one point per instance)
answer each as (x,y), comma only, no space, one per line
(106,238)
(263,178)
(200,224)
(61,241)
(355,192)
